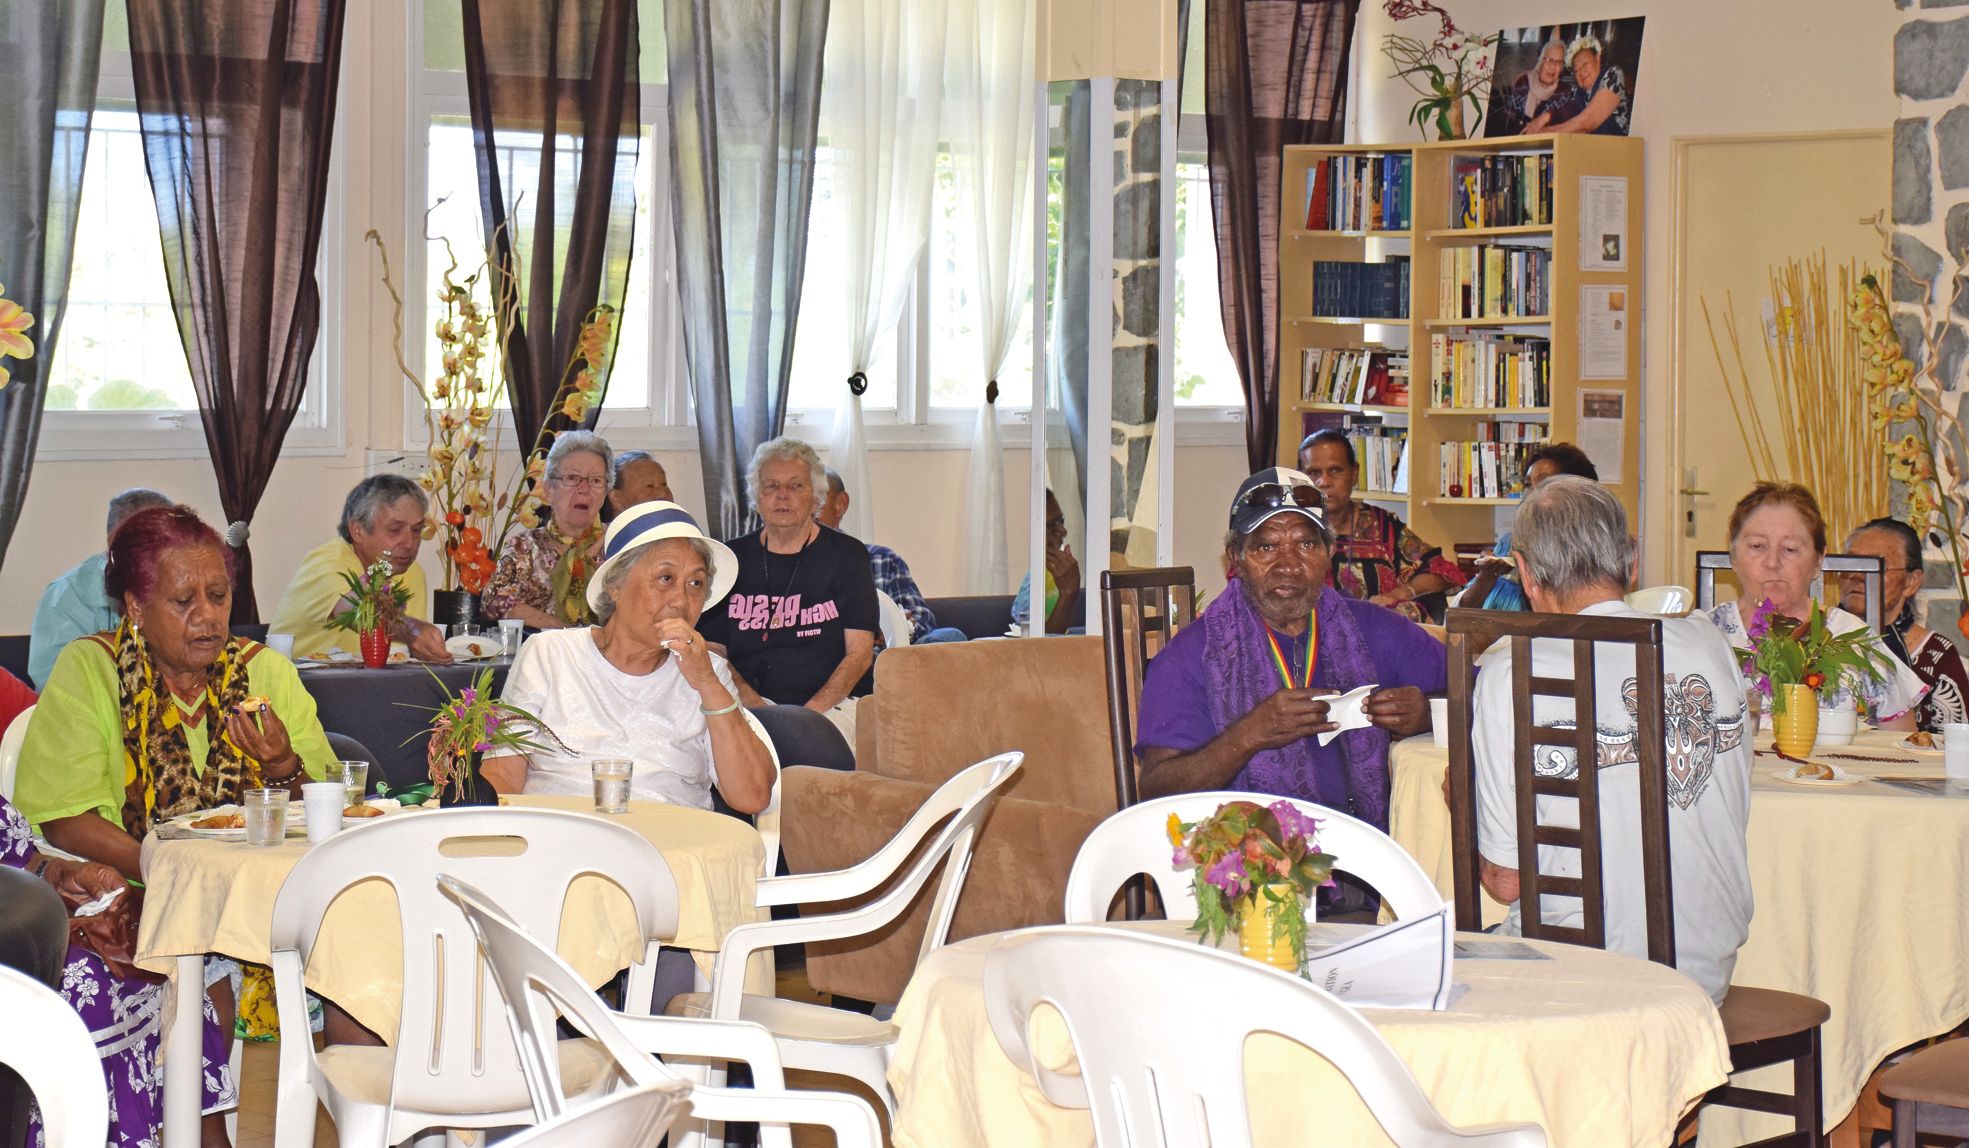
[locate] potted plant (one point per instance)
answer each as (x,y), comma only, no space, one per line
(1445,70)
(1794,663)
(375,603)
(468,725)
(1256,866)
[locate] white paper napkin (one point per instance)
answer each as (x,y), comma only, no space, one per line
(1349,709)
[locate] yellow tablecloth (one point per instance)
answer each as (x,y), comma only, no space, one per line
(1862,900)
(217,897)
(1599,1049)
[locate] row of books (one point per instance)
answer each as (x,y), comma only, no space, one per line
(1343,289)
(1489,370)
(1494,282)
(1380,451)
(1492,465)
(1359,193)
(1502,190)
(1353,375)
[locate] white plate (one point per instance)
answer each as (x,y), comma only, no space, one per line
(1912,747)
(1667,601)
(472,647)
(296,824)
(351,822)
(1839,777)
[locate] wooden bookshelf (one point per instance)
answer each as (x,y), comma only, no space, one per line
(1441,519)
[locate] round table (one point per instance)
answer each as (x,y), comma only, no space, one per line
(207,896)
(1598,1048)
(1862,900)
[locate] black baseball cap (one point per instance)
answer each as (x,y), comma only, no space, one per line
(1272,491)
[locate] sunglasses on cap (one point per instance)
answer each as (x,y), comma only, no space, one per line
(1277,496)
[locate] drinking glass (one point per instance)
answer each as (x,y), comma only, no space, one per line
(266,816)
(355,775)
(282,644)
(1955,750)
(510,631)
(611,783)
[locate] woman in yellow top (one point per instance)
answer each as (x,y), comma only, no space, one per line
(148,721)
(543,573)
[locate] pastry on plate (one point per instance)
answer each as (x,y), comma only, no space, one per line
(1922,739)
(362,811)
(1812,771)
(221,821)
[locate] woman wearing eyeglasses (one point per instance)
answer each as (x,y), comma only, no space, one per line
(1927,653)
(1375,555)
(543,573)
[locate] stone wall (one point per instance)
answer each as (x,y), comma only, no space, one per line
(1137,282)
(1930,215)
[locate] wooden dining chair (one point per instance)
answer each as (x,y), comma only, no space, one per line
(1711,562)
(1763,1026)
(1929,1091)
(1141,610)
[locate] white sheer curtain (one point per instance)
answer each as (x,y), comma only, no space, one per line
(879,114)
(990,117)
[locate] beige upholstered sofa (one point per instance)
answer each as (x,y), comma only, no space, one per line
(935,710)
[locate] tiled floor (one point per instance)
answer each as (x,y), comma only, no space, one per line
(261,1069)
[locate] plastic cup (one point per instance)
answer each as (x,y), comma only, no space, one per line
(354,775)
(282,644)
(1955,750)
(1837,726)
(1439,721)
(322,802)
(510,632)
(266,816)
(611,776)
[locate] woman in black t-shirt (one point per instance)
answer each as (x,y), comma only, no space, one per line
(799,626)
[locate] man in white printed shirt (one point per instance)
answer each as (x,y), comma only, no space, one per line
(1574,555)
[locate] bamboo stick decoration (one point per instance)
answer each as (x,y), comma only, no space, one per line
(1812,424)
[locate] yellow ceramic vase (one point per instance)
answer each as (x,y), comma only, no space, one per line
(1795,728)
(1254,931)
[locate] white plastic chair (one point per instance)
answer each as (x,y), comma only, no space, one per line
(823,1039)
(45,1041)
(896,630)
(1135,840)
(10,751)
(637,1118)
(445,1071)
(536,984)
(1170,1077)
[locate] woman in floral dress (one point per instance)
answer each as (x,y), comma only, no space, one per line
(123,1013)
(1375,555)
(542,578)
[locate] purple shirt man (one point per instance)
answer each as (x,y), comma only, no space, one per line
(1238,698)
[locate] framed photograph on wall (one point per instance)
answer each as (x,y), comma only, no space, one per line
(1577,77)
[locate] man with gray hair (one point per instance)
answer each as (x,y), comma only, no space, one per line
(1575,557)
(383,514)
(75,603)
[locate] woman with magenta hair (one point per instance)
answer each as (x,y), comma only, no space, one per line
(148,721)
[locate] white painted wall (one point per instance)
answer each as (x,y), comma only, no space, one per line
(1708,67)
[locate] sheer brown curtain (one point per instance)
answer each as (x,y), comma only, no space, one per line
(237,105)
(554,97)
(1275,73)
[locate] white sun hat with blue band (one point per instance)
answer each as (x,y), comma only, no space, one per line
(648,522)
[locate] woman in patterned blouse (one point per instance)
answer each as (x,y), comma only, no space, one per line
(1375,555)
(542,577)
(1609,106)
(1927,653)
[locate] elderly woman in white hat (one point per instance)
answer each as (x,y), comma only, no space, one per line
(642,684)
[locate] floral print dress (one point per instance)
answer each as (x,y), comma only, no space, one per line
(1380,553)
(125,1018)
(525,575)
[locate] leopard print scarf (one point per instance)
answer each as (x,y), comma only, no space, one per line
(158,778)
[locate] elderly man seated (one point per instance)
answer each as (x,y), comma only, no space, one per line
(384,514)
(75,604)
(891,573)
(1237,699)
(1574,555)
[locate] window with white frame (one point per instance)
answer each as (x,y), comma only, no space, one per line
(119,383)
(648,389)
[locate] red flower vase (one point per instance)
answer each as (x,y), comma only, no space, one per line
(375,648)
